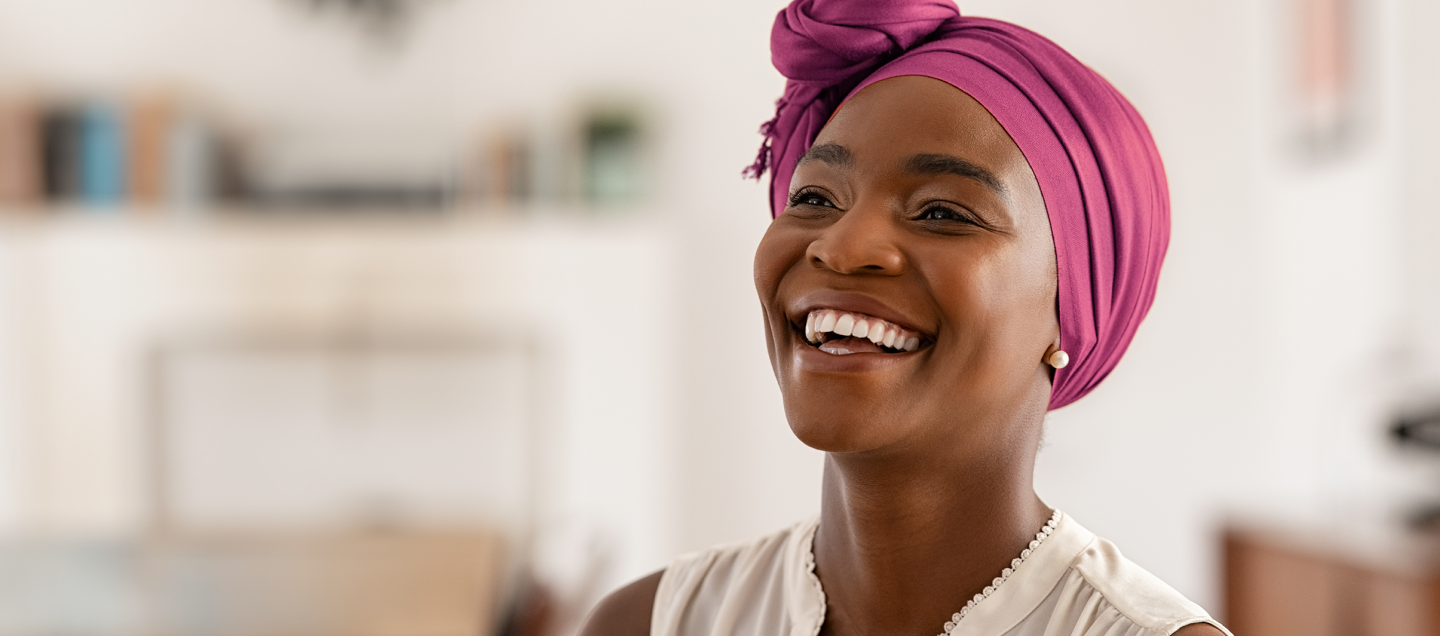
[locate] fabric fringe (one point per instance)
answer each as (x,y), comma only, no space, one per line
(762,159)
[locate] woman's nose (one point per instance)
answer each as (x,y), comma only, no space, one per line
(862,241)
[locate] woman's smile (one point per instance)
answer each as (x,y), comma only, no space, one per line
(840,323)
(840,332)
(831,334)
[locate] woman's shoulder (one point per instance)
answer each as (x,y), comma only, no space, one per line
(766,554)
(734,584)
(1074,582)
(626,611)
(747,587)
(1102,590)
(1132,590)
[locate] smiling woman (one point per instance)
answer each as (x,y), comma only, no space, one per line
(918,210)
(969,225)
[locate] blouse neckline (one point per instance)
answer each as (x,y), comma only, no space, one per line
(1025,589)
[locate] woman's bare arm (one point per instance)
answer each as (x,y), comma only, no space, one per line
(626,611)
(1199,629)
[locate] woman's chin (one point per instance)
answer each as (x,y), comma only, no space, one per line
(841,429)
(830,440)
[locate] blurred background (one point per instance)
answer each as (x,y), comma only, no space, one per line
(435,316)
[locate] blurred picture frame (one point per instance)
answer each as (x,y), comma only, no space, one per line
(1327,78)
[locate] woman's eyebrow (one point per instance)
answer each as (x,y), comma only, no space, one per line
(928,164)
(831,153)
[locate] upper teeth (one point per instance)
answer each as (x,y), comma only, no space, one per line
(822,321)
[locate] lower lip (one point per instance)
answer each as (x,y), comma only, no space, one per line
(810,358)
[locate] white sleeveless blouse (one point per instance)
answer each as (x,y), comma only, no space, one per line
(1073,584)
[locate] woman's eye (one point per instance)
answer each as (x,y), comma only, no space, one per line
(807,197)
(941,213)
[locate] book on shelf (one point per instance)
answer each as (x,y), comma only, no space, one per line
(189,162)
(20,152)
(60,154)
(149,121)
(101,156)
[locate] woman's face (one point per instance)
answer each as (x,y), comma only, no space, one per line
(916,216)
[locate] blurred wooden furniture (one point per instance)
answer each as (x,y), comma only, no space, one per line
(359,585)
(1380,579)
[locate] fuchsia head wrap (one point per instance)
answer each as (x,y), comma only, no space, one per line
(1098,169)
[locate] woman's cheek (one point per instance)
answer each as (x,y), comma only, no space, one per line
(779,251)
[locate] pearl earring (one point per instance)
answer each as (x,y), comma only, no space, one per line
(1059,359)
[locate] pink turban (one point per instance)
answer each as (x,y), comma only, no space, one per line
(1099,171)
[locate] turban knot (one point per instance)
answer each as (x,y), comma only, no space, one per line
(825,48)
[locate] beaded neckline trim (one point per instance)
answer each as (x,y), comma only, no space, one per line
(814,580)
(1005,574)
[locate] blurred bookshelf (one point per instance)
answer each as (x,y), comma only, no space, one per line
(221,218)
(159,156)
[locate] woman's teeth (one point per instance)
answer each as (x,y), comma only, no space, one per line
(850,325)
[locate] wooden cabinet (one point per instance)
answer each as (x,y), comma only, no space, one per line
(1379,580)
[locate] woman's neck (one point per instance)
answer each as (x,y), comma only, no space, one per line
(904,542)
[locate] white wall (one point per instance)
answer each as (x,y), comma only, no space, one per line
(1290,303)
(1420,98)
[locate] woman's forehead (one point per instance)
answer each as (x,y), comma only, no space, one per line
(922,125)
(913,115)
